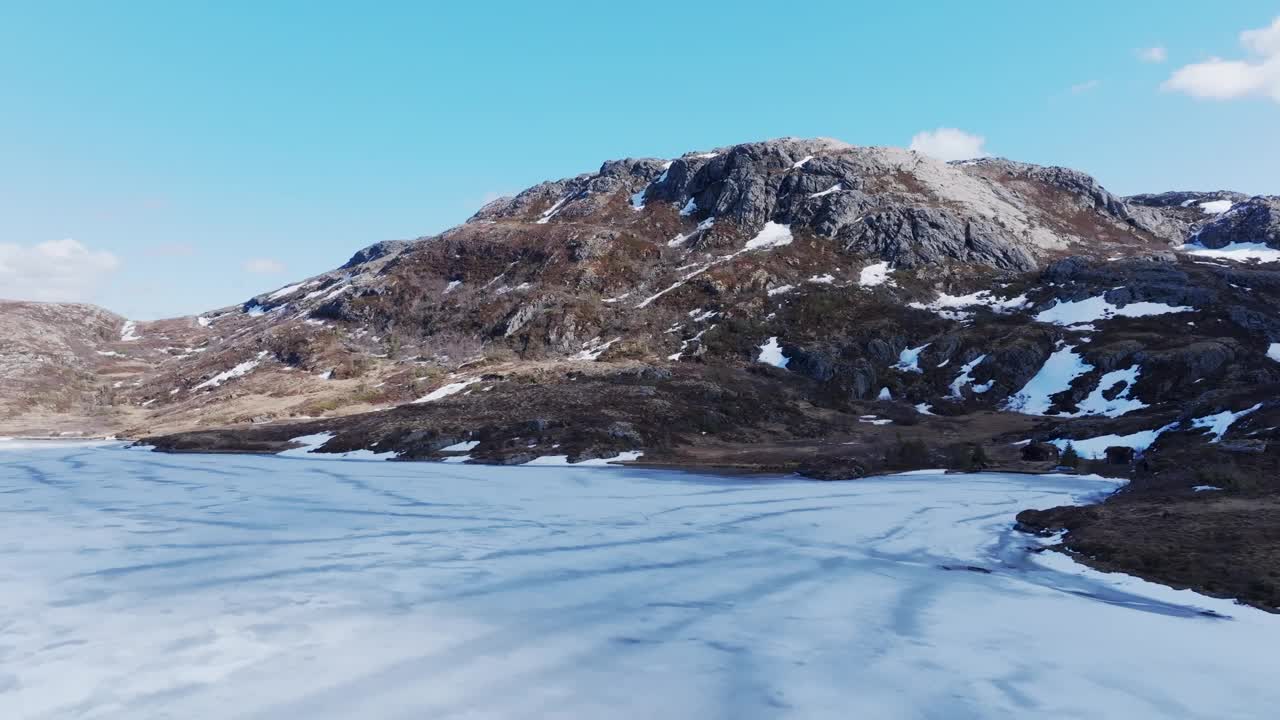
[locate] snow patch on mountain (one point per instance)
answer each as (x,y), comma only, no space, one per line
(240,370)
(833,189)
(772,235)
(445,391)
(771,354)
(594,348)
(1124,402)
(551,211)
(682,237)
(1238,252)
(1219,423)
(965,378)
(1092,309)
(1055,376)
(909,359)
(1095,448)
(873,275)
(1215,207)
(953,307)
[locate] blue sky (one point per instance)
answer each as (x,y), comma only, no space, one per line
(198,153)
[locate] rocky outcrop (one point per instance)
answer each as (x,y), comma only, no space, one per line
(1256,220)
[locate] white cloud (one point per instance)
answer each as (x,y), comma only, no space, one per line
(1084,87)
(1156,54)
(53,271)
(949,144)
(1218,79)
(1263,41)
(173,249)
(264,266)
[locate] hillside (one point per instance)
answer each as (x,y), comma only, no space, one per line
(788,305)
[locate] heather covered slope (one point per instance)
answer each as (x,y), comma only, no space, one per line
(886,289)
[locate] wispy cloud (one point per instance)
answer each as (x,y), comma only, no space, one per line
(949,144)
(53,271)
(175,249)
(1257,75)
(264,266)
(1154,54)
(1085,87)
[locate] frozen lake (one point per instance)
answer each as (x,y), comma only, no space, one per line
(138,585)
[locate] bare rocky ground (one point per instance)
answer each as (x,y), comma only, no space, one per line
(795,305)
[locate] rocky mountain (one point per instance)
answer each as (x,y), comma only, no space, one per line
(791,304)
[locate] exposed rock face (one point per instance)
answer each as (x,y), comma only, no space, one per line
(893,204)
(1175,216)
(376,251)
(1256,220)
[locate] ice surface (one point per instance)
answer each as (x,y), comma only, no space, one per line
(139,585)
